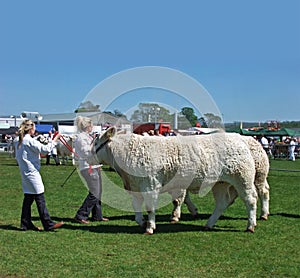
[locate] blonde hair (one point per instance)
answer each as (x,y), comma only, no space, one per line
(24,128)
(82,123)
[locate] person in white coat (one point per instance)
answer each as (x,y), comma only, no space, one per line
(91,174)
(265,143)
(53,152)
(28,152)
(292,147)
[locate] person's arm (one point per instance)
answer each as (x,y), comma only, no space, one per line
(45,149)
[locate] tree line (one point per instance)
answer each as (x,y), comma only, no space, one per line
(152,112)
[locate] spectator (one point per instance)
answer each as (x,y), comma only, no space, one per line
(53,152)
(292,147)
(265,143)
(151,132)
(172,133)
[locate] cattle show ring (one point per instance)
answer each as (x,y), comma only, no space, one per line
(213,199)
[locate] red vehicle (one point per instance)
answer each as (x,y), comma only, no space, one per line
(162,128)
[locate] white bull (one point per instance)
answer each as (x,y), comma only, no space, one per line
(224,194)
(149,165)
(63,151)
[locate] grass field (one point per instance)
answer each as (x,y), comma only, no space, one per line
(118,248)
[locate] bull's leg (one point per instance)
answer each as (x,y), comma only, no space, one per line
(191,207)
(249,195)
(151,199)
(73,157)
(137,202)
(224,195)
(178,199)
(263,193)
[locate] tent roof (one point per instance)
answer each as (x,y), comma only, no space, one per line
(204,130)
(11,130)
(265,132)
(43,128)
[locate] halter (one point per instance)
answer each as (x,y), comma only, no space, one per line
(102,145)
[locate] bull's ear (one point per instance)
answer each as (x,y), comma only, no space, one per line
(110,132)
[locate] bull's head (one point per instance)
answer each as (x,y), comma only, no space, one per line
(102,140)
(99,142)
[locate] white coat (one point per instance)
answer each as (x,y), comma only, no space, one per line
(28,158)
(83,147)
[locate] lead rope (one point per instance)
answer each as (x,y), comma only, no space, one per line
(63,140)
(90,166)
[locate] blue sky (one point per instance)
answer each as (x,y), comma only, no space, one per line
(245,53)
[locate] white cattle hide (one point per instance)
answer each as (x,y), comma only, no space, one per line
(62,151)
(154,164)
(225,194)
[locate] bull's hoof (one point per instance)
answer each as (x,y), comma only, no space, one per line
(173,221)
(148,233)
(250,230)
(264,217)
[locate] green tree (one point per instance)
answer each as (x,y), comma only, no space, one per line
(189,114)
(87,106)
(119,114)
(213,120)
(150,112)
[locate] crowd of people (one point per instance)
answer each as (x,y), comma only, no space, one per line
(155,132)
(272,147)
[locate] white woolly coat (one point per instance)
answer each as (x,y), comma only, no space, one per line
(260,157)
(28,158)
(198,162)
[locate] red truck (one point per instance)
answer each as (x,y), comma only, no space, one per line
(162,128)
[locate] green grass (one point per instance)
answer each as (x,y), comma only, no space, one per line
(118,248)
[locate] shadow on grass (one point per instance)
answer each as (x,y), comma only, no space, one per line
(189,217)
(161,221)
(10,164)
(161,228)
(159,218)
(9,227)
(108,228)
(288,215)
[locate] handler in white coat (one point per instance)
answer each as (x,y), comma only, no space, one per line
(28,152)
(91,174)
